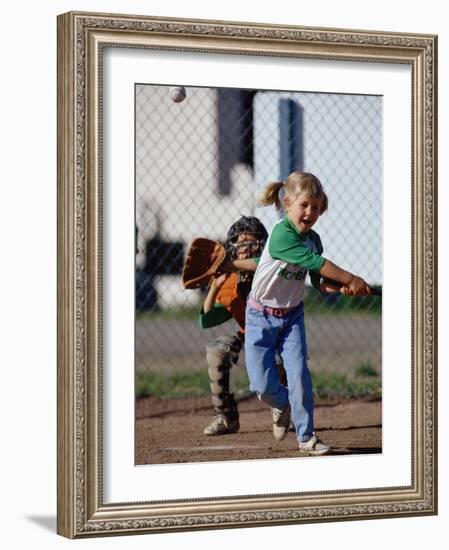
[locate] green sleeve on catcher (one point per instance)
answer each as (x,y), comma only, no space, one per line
(216,316)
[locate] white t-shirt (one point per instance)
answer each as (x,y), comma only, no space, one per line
(285,261)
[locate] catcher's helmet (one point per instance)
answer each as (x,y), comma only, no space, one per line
(245,224)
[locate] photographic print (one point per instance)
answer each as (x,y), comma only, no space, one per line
(246,278)
(203,156)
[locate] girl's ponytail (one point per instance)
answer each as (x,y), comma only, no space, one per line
(270,195)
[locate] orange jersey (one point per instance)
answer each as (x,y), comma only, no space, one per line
(229,298)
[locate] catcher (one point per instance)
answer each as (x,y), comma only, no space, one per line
(226,299)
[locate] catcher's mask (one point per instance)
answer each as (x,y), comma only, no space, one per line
(252,226)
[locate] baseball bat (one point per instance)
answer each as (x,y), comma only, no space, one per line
(375,290)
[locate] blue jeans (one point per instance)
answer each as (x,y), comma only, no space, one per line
(266,334)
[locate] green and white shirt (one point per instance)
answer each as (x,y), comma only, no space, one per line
(286,259)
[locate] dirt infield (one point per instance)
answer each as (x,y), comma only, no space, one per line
(170,431)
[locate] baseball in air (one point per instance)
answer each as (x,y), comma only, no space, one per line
(178,94)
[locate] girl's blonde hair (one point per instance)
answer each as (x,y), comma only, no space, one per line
(296,183)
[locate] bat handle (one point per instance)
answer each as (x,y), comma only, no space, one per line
(375,291)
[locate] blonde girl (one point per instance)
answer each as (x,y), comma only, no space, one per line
(275,311)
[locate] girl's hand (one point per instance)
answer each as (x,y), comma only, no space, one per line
(357,287)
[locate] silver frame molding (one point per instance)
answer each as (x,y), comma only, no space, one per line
(81,38)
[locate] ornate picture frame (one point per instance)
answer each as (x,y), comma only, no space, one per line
(82,508)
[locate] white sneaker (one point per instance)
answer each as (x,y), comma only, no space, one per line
(313,447)
(281,422)
(221,425)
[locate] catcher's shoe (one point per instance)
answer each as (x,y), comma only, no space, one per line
(281,422)
(313,447)
(221,425)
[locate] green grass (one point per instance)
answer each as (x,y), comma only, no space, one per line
(183,384)
(365,383)
(366,370)
(337,386)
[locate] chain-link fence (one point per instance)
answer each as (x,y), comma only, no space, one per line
(200,165)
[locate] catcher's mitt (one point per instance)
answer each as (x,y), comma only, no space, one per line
(203,261)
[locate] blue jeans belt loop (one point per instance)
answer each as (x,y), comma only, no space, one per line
(275,311)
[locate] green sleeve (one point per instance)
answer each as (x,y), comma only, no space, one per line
(216,316)
(288,245)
